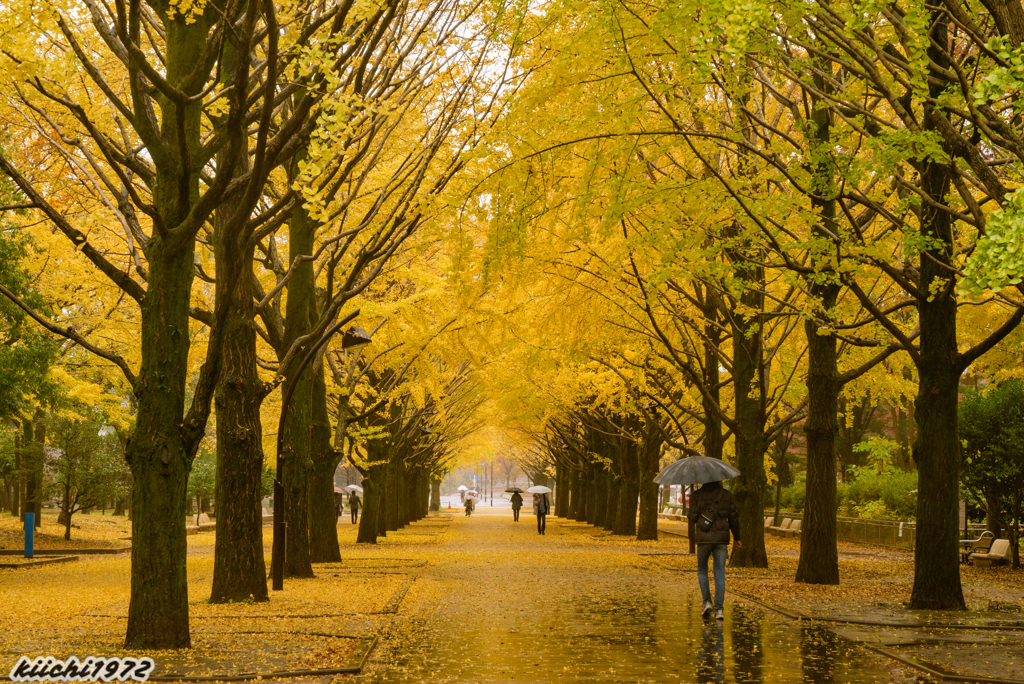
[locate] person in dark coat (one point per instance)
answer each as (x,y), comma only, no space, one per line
(713,512)
(517,503)
(353,505)
(540,509)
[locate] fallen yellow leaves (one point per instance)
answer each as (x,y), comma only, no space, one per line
(89,530)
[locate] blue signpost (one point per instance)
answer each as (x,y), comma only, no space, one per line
(30,529)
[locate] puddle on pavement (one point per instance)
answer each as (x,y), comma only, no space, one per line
(642,633)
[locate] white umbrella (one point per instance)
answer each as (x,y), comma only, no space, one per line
(462,488)
(356,488)
(538,489)
(472,492)
(475,499)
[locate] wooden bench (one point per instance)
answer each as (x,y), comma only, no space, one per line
(982,544)
(786,522)
(998,554)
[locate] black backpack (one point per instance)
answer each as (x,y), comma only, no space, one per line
(707,517)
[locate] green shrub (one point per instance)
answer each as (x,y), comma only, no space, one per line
(867,494)
(791,498)
(892,496)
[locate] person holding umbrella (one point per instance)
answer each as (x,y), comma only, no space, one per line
(540,506)
(353,504)
(517,502)
(713,513)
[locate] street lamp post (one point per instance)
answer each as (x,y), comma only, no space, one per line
(352,338)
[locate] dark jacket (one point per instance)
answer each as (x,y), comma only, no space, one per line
(714,497)
(541,507)
(517,501)
(354,502)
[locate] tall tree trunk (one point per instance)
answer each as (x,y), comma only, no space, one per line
(625,518)
(371,506)
(435,493)
(581,494)
(650,456)
(937,449)
(323,517)
(33,484)
(382,498)
(393,495)
(300,312)
(573,490)
(591,476)
(614,488)
(157,454)
(405,493)
(19,477)
(711,374)
(239,571)
(600,496)
(749,398)
(819,550)
(65,512)
(561,491)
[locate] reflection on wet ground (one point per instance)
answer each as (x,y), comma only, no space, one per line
(501,604)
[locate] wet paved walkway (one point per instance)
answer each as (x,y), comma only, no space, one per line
(499,603)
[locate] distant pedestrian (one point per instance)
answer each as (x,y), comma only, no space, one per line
(469,505)
(517,503)
(353,504)
(713,513)
(540,509)
(339,506)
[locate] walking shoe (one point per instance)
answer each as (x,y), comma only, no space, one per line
(708,607)
(719,614)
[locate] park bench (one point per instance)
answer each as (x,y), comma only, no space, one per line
(982,544)
(778,530)
(794,529)
(768,521)
(998,554)
(203,522)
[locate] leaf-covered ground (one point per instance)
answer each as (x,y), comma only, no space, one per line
(483,599)
(81,609)
(88,531)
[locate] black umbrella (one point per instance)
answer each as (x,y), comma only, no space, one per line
(696,470)
(514,489)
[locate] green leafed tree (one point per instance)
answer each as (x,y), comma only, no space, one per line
(85,461)
(992,431)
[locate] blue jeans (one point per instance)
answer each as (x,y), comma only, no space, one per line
(720,553)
